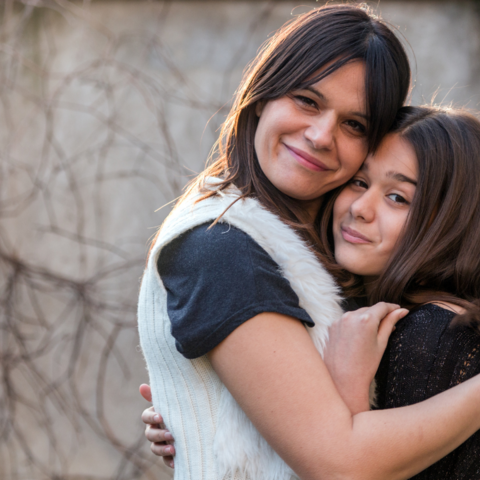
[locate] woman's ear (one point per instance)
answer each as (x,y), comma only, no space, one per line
(259,107)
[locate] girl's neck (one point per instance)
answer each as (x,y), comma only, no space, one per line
(312,208)
(369,283)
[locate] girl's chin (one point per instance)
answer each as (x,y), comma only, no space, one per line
(357,266)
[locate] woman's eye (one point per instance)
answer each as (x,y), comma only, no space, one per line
(357,126)
(306,101)
(359,183)
(398,198)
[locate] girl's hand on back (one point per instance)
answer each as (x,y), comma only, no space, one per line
(355,347)
(160,438)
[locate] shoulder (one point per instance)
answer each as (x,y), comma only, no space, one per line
(429,316)
(216,279)
(429,341)
(430,329)
(426,354)
(220,246)
(436,319)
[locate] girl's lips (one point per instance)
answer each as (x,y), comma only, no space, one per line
(352,236)
(306,160)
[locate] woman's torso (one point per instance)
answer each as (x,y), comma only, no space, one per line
(214,438)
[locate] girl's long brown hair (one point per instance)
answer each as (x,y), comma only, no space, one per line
(323,39)
(438,256)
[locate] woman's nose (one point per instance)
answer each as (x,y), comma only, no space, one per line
(321,132)
(363,208)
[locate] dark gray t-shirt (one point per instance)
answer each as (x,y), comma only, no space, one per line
(216,279)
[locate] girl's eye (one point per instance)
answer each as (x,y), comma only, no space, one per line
(306,101)
(398,198)
(357,126)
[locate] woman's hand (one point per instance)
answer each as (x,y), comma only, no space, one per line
(160,438)
(355,347)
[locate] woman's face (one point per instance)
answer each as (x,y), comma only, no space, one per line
(313,140)
(370,212)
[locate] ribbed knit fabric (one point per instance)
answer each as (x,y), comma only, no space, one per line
(214,439)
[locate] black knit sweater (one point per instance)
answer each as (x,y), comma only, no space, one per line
(426,356)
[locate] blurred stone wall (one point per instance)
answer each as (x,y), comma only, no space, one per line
(106,110)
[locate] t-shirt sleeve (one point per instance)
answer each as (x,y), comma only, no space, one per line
(216,279)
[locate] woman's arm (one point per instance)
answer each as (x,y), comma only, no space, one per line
(271,367)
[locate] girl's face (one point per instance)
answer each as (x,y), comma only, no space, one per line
(313,140)
(370,212)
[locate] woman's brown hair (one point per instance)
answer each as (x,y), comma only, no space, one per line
(322,40)
(438,256)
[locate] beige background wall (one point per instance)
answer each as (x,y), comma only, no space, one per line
(104,115)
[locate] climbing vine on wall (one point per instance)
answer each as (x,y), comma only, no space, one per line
(88,150)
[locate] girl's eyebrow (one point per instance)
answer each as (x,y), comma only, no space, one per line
(401,178)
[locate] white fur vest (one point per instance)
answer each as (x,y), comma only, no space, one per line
(214,439)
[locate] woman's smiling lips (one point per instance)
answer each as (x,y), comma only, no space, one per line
(352,236)
(306,160)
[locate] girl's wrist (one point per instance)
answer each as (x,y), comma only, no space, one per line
(357,402)
(359,405)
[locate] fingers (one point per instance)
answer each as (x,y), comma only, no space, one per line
(146,392)
(388,324)
(157,435)
(151,417)
(162,450)
(168,461)
(379,311)
(371,316)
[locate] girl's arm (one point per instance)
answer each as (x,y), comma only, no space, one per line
(271,367)
(161,440)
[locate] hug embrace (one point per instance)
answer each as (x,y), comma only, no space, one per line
(325,194)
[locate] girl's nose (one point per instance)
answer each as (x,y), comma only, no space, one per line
(363,208)
(321,133)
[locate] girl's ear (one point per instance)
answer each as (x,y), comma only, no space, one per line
(259,107)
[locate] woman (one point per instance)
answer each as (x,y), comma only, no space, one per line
(319,96)
(427,167)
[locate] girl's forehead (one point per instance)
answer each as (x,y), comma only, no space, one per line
(394,152)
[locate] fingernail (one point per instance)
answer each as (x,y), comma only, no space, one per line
(156,418)
(168,436)
(171,464)
(169,449)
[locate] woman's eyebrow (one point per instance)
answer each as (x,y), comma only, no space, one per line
(400,177)
(318,94)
